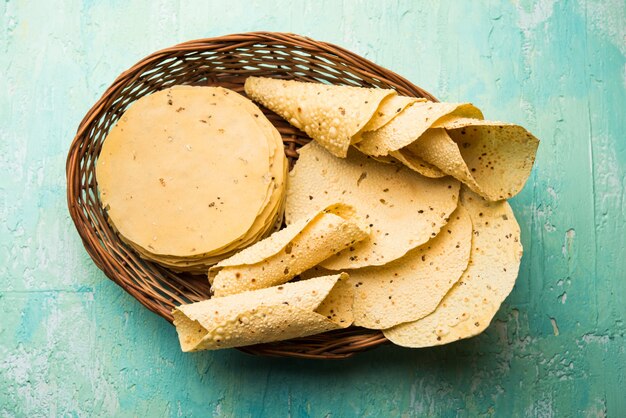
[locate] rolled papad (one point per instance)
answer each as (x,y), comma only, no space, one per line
(331,115)
(287,253)
(468,308)
(386,159)
(277,313)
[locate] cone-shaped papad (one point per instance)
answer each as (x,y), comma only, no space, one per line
(331,115)
(403,209)
(406,127)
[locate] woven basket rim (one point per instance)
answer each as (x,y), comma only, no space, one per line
(125,270)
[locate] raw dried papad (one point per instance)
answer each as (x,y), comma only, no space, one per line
(468,308)
(403,209)
(287,253)
(262,226)
(190,173)
(410,124)
(332,115)
(277,313)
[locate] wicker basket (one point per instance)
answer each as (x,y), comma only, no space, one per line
(225,61)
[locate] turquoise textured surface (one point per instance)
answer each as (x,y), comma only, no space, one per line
(74,344)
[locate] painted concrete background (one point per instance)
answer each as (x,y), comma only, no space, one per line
(74,344)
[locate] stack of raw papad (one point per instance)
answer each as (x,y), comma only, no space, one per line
(190,175)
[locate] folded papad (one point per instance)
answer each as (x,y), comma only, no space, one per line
(288,252)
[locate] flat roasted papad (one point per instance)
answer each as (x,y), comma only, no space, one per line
(411,287)
(331,115)
(277,313)
(468,308)
(402,208)
(163,169)
(287,253)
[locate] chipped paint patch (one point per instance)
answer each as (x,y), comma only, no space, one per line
(555,327)
(566,249)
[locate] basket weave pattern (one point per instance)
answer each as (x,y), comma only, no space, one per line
(223,61)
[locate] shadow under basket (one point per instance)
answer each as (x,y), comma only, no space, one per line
(222,61)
